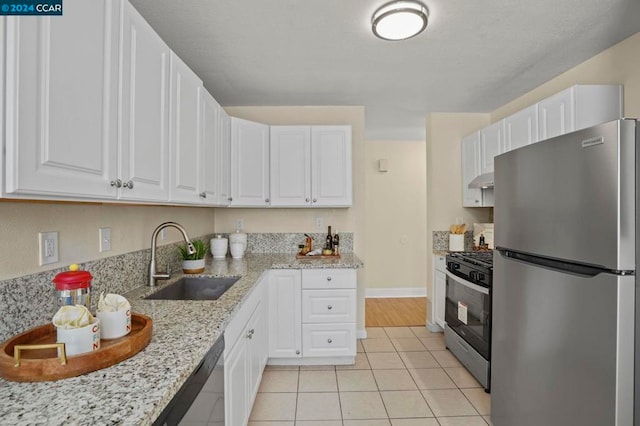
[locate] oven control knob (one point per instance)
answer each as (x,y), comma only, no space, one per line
(453,266)
(476,275)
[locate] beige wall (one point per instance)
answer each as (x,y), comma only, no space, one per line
(77,226)
(395,210)
(444,175)
(619,64)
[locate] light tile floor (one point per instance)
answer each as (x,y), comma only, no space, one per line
(403,376)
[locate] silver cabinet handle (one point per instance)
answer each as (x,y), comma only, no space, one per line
(315,200)
(329,307)
(329,341)
(117,183)
(203,194)
(306,200)
(250,334)
(230,199)
(266,200)
(128,184)
(297,352)
(328,278)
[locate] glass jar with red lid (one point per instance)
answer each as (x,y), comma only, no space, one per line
(73,287)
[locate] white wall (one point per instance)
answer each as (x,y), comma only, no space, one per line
(395,210)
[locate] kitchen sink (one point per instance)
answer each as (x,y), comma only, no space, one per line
(195,288)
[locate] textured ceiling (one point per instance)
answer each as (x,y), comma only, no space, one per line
(474,56)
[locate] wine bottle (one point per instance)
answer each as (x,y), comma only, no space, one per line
(329,243)
(336,244)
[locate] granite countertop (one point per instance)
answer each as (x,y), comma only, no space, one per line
(135,391)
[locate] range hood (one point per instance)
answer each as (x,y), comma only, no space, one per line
(483,181)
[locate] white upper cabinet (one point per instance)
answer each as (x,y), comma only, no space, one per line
(290,166)
(470,147)
(521,129)
(144,111)
(224,160)
(61,102)
(331,166)
(249,163)
(578,107)
(210,141)
(491,143)
(185,131)
(311,166)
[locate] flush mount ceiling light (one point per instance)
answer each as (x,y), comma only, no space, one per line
(399,20)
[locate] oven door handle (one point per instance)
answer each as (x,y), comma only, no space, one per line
(472,286)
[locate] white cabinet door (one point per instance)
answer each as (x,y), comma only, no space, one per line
(224,160)
(491,143)
(556,115)
(144,111)
(255,335)
(439,295)
(185,131)
(61,101)
(578,107)
(326,340)
(470,148)
(285,313)
(235,384)
(210,142)
(249,163)
(521,129)
(290,152)
(331,166)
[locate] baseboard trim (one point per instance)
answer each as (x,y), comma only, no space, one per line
(396,292)
(434,328)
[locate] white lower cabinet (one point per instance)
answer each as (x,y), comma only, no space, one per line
(245,356)
(285,310)
(439,289)
(312,316)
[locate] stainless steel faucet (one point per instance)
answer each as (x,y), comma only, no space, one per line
(153,273)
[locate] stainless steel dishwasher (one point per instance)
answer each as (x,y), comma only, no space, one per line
(200,401)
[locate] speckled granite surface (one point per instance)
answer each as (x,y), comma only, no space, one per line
(288,243)
(135,391)
(441,240)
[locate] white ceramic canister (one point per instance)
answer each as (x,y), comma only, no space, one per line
(237,244)
(219,247)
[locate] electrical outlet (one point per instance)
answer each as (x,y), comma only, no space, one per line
(163,234)
(319,223)
(105,239)
(459,221)
(240,224)
(48,247)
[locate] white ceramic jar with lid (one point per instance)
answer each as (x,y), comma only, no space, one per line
(219,247)
(237,244)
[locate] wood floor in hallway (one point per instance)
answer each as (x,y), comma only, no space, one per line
(395,312)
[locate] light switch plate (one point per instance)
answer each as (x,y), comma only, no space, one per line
(105,239)
(48,247)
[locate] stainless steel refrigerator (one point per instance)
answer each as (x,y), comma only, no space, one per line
(564,285)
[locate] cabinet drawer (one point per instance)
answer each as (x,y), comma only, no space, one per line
(319,306)
(328,340)
(328,278)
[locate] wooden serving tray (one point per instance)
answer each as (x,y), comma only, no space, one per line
(40,365)
(319,256)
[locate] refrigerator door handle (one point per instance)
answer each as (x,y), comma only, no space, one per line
(565,266)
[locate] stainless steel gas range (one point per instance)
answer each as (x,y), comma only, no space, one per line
(468,311)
